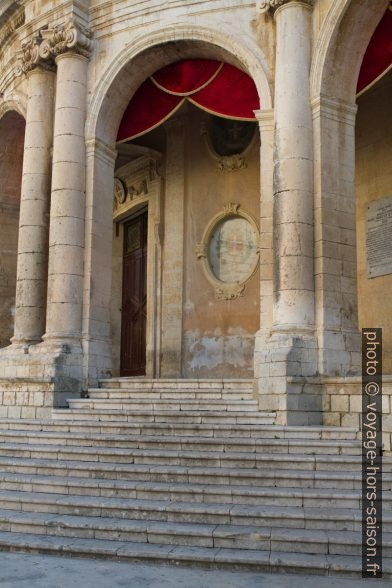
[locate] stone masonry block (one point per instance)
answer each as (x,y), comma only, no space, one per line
(339,403)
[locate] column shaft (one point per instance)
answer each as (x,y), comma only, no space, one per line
(34,207)
(66,240)
(293,173)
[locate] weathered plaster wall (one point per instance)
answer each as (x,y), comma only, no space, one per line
(374,181)
(218,334)
(12,127)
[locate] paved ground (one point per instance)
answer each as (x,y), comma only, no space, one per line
(18,570)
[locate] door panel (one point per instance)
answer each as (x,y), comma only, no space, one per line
(134,298)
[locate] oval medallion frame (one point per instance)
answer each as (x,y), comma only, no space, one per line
(226,290)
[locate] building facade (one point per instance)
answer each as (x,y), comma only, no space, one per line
(287,313)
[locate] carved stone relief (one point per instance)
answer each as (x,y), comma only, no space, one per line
(266,5)
(46,44)
(133,184)
(228,142)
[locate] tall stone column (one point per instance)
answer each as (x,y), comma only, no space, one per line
(30,303)
(291,351)
(67,211)
(173,258)
(293,310)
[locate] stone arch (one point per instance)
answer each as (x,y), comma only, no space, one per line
(12,130)
(16,104)
(341,45)
(153,50)
(130,67)
(337,58)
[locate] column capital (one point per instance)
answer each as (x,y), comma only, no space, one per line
(97,148)
(70,37)
(265,118)
(272,5)
(47,44)
(30,56)
(334,109)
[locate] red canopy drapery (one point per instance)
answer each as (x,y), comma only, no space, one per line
(378,57)
(219,88)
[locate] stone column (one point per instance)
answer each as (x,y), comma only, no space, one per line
(173,257)
(32,265)
(67,212)
(290,354)
(293,310)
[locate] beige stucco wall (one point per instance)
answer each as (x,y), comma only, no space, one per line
(12,128)
(374,181)
(218,334)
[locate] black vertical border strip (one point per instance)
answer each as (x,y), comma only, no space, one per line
(371,403)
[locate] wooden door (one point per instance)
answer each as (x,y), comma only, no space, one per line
(134,298)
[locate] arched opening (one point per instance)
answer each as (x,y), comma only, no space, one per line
(12,131)
(116,87)
(185,217)
(346,33)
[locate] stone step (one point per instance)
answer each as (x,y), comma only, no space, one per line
(173,442)
(176,394)
(172,384)
(186,534)
(255,560)
(217,430)
(271,477)
(167,416)
(190,406)
(186,492)
(297,517)
(190,458)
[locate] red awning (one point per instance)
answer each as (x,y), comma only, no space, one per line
(378,57)
(219,88)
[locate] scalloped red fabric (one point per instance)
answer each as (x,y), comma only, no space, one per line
(222,89)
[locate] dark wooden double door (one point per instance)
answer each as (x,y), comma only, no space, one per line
(134,298)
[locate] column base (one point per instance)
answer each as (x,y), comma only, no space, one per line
(279,359)
(36,378)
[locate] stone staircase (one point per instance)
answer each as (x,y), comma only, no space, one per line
(185,472)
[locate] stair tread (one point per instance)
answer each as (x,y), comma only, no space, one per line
(288,428)
(181,439)
(211,401)
(165,412)
(296,512)
(256,558)
(181,487)
(220,530)
(170,469)
(178,453)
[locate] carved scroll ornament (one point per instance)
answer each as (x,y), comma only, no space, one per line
(271,5)
(42,49)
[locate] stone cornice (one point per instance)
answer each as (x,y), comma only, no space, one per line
(272,5)
(47,44)
(10,20)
